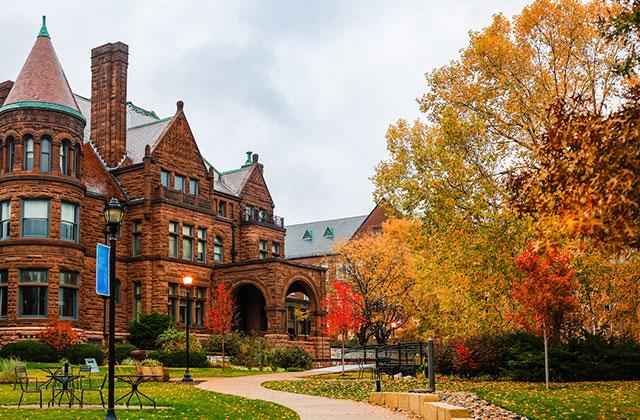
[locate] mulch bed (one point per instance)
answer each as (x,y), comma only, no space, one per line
(478,407)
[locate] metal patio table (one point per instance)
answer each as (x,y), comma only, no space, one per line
(65,381)
(50,372)
(135,381)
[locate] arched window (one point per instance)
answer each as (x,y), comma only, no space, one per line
(76,160)
(217,249)
(11,149)
(73,155)
(45,155)
(28,153)
(64,157)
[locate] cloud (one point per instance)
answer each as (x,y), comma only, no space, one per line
(310,86)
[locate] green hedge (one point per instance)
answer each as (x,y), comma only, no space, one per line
(76,353)
(178,359)
(144,332)
(123,351)
(291,357)
(30,350)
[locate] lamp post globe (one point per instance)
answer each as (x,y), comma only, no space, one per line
(186,281)
(113,214)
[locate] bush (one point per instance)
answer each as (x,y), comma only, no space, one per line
(76,353)
(253,352)
(123,351)
(476,356)
(151,362)
(291,357)
(129,362)
(144,332)
(30,350)
(232,342)
(172,340)
(8,370)
(178,359)
(59,335)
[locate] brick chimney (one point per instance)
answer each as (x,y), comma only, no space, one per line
(109,64)
(5,88)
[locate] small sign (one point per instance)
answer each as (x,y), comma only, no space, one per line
(91,362)
(102,270)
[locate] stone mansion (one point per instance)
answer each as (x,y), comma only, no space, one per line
(64,156)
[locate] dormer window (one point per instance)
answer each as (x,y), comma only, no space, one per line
(178,183)
(308,235)
(328,233)
(194,186)
(28,153)
(165,178)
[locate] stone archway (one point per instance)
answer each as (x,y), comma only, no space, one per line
(249,315)
(301,306)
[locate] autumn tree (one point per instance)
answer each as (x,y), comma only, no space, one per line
(59,335)
(344,317)
(382,269)
(546,294)
(220,314)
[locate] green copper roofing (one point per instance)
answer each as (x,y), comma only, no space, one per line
(43,105)
(149,123)
(248,162)
(234,171)
(308,235)
(43,30)
(328,233)
(142,111)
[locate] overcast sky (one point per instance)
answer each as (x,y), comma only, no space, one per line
(309,85)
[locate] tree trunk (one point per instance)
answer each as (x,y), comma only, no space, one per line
(546,355)
(343,339)
(223,352)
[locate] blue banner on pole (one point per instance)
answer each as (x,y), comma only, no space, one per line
(102,270)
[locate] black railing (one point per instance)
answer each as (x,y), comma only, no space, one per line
(184,198)
(265,219)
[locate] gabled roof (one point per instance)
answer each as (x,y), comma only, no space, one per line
(237,178)
(297,246)
(42,82)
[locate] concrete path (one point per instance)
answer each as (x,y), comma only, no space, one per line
(307,406)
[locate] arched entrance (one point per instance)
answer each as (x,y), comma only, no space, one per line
(300,309)
(249,314)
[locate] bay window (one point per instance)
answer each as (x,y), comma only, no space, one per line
(69,215)
(35,218)
(68,295)
(5,219)
(33,293)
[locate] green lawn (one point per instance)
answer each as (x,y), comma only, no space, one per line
(184,401)
(580,400)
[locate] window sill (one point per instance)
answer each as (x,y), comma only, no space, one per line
(32,317)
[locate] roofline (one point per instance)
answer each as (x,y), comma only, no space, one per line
(325,221)
(80,96)
(145,111)
(232,171)
(149,123)
(43,105)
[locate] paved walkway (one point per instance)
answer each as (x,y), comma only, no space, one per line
(307,406)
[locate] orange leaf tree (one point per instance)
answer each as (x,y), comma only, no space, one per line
(220,314)
(546,294)
(59,335)
(344,315)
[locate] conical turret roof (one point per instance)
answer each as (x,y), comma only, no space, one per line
(41,82)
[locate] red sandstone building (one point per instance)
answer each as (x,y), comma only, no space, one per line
(63,156)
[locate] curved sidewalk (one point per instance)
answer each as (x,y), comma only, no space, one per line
(307,406)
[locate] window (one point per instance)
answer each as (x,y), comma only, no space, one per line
(11,151)
(69,214)
(32,293)
(328,233)
(222,208)
(172,304)
(193,186)
(217,249)
(64,158)
(183,307)
(248,213)
(4,289)
(275,249)
(262,215)
(45,155)
(136,241)
(202,245)
(35,218)
(187,242)
(263,250)
(28,153)
(137,300)
(173,239)
(68,295)
(308,235)
(178,183)
(165,178)
(199,306)
(5,219)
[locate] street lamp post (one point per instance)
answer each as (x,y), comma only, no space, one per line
(113,213)
(187,283)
